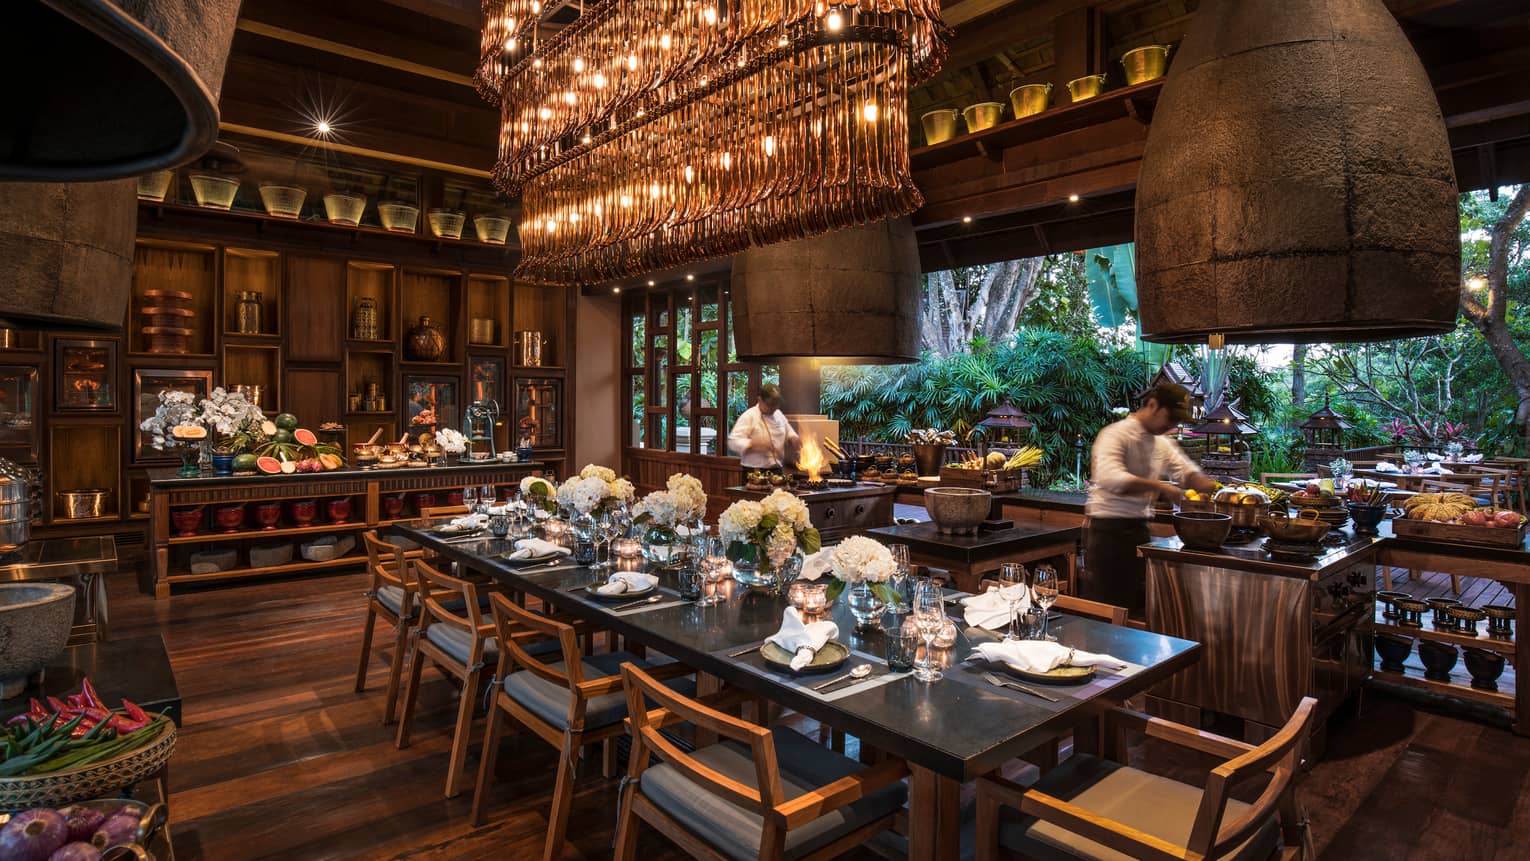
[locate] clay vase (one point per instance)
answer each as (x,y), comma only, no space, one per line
(1438,658)
(229,517)
(393,506)
(423,501)
(338,509)
(303,511)
(268,514)
(186,520)
(1485,666)
(425,343)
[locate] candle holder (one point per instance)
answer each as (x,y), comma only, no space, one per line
(627,548)
(810,598)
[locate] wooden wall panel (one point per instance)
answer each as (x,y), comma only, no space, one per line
(312,392)
(649,469)
(315,323)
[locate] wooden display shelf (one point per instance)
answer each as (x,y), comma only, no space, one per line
(293,567)
(359,345)
(369,413)
(279,532)
(1429,632)
(239,338)
(1502,698)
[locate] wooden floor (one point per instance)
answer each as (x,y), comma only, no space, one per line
(279,758)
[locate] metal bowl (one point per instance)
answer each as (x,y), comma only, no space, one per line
(1245,515)
(81,504)
(983,115)
(1145,63)
(1202,530)
(939,126)
(1306,529)
(1087,87)
(1030,99)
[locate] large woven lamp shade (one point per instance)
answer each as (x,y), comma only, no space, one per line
(1297,184)
(105,90)
(850,295)
(67,253)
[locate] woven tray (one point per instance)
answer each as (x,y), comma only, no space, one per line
(91,781)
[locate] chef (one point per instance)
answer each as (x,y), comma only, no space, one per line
(762,437)
(1133,463)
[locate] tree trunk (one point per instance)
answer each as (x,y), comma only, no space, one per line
(1491,319)
(959,305)
(1299,374)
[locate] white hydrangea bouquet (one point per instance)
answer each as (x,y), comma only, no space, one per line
(763,535)
(861,561)
(682,502)
(538,492)
(595,489)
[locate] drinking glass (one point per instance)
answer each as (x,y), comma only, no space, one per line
(488,495)
(902,649)
(470,498)
(899,582)
(929,619)
(715,568)
(1044,593)
(601,536)
(1012,574)
(692,579)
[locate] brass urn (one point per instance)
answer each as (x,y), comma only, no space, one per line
(425,342)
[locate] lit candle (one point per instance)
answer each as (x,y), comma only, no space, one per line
(810,598)
(627,548)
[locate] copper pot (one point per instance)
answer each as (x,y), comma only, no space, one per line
(1030,99)
(1085,88)
(983,115)
(1145,63)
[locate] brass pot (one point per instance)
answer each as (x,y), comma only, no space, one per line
(983,115)
(939,126)
(1145,63)
(1030,99)
(82,504)
(1085,88)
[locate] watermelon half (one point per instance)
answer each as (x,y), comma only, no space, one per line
(269,465)
(304,436)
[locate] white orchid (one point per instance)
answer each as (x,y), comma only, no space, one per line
(451,441)
(175,408)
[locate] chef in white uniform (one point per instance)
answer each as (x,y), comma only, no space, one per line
(762,437)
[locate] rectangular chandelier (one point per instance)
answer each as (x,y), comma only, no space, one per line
(651,134)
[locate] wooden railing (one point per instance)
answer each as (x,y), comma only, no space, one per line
(649,470)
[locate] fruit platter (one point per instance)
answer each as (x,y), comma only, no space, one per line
(287,449)
(998,470)
(1458,517)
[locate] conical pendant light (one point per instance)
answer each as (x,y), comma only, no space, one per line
(1297,184)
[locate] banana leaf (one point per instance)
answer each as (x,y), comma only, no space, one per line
(1111,272)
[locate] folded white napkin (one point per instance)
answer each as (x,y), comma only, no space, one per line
(628,581)
(529,547)
(1040,656)
(1472,458)
(802,639)
(468,522)
(991,609)
(1434,469)
(1387,466)
(814,565)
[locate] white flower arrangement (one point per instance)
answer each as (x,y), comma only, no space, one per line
(227,413)
(682,502)
(857,560)
(451,441)
(604,473)
(539,492)
(175,408)
(768,531)
(595,488)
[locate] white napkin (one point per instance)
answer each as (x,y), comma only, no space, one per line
(1434,469)
(468,522)
(1040,656)
(991,609)
(529,547)
(1387,466)
(1472,458)
(628,581)
(803,640)
(814,565)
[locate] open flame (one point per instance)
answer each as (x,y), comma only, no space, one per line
(810,458)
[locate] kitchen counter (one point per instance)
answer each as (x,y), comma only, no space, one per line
(167,477)
(838,512)
(1251,556)
(80,562)
(969,558)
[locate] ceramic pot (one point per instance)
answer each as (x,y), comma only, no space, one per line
(423,501)
(425,342)
(393,506)
(223,464)
(186,520)
(1393,650)
(1485,665)
(35,620)
(303,511)
(957,510)
(338,509)
(268,514)
(229,517)
(1366,517)
(1439,659)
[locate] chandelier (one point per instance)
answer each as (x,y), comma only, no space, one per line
(652,133)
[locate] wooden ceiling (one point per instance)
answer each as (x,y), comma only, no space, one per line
(397,75)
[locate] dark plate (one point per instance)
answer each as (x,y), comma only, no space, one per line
(620,596)
(1064,675)
(533,560)
(831,657)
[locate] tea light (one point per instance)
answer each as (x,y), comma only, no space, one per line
(630,563)
(808,597)
(627,548)
(717,568)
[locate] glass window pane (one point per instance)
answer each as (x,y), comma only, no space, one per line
(639,405)
(732,350)
(639,325)
(683,335)
(770,374)
(662,319)
(683,407)
(706,436)
(707,342)
(661,370)
(708,294)
(738,395)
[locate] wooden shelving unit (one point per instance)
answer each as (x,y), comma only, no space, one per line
(1460,684)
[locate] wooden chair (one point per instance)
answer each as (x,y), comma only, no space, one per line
(454,635)
(441,512)
(569,703)
(1094,808)
(1097,610)
(765,793)
(390,595)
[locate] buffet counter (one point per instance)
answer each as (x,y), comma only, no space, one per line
(211,528)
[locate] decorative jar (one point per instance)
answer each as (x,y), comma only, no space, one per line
(223,464)
(186,520)
(425,342)
(338,509)
(229,517)
(268,514)
(303,511)
(864,605)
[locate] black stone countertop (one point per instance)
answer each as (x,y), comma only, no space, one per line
(137,668)
(1251,556)
(926,539)
(166,477)
(953,727)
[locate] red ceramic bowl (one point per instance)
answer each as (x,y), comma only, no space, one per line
(303,511)
(229,517)
(393,506)
(268,514)
(338,509)
(424,500)
(187,520)
(454,497)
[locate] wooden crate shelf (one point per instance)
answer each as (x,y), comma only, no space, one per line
(1429,632)
(1414,678)
(257,534)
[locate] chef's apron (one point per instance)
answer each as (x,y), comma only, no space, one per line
(1113,572)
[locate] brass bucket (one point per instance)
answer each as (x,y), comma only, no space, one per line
(939,126)
(1145,63)
(1030,99)
(983,115)
(1085,88)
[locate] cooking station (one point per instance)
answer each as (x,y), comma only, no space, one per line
(1273,631)
(837,511)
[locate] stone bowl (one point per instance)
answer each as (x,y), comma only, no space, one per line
(35,619)
(957,510)
(1485,667)
(1393,650)
(1202,530)
(1439,659)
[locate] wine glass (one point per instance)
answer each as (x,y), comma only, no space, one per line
(488,495)
(470,498)
(899,582)
(1044,593)
(1012,574)
(715,568)
(929,619)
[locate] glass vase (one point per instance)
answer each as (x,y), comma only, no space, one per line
(864,605)
(663,546)
(191,456)
(583,527)
(760,574)
(223,464)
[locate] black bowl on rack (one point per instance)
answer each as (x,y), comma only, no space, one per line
(1500,620)
(1439,659)
(1485,665)
(1466,619)
(1441,608)
(1393,650)
(1389,599)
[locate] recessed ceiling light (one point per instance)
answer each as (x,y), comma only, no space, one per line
(690,277)
(966,219)
(650,283)
(616,289)
(1073,198)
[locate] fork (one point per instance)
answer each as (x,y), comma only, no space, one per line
(1016,686)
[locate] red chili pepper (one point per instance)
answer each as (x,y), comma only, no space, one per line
(134,712)
(36,711)
(88,691)
(57,705)
(76,701)
(127,725)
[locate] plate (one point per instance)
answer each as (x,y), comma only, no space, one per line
(831,657)
(450,531)
(534,560)
(1064,675)
(620,596)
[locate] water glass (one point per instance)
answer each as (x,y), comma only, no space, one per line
(692,579)
(1044,594)
(902,648)
(899,582)
(488,495)
(1013,574)
(470,498)
(929,619)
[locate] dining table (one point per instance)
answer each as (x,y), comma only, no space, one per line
(949,732)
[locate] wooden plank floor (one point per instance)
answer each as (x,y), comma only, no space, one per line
(280,758)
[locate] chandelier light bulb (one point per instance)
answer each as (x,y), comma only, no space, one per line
(869,112)
(833,22)
(599,80)
(770,144)
(570,97)
(578,65)
(664,41)
(689,175)
(545,113)
(632,62)
(709,15)
(510,44)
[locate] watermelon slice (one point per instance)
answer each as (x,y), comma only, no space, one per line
(304,436)
(269,465)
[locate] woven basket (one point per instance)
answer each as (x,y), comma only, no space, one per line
(446,223)
(90,781)
(398,217)
(284,201)
(492,229)
(213,191)
(154,186)
(343,207)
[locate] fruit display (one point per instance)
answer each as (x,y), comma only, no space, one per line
(996,460)
(1459,508)
(290,449)
(1242,494)
(188,432)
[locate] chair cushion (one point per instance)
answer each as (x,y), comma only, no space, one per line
(550,701)
(734,830)
(457,642)
(391,597)
(1156,805)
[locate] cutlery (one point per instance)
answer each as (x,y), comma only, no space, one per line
(858,673)
(744,651)
(632,604)
(1016,686)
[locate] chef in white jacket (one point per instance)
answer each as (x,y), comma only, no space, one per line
(762,437)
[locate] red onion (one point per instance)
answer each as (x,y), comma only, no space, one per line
(119,829)
(81,821)
(33,835)
(76,851)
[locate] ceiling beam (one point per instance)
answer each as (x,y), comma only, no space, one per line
(352,149)
(351,52)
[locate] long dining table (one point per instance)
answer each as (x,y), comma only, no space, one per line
(949,731)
